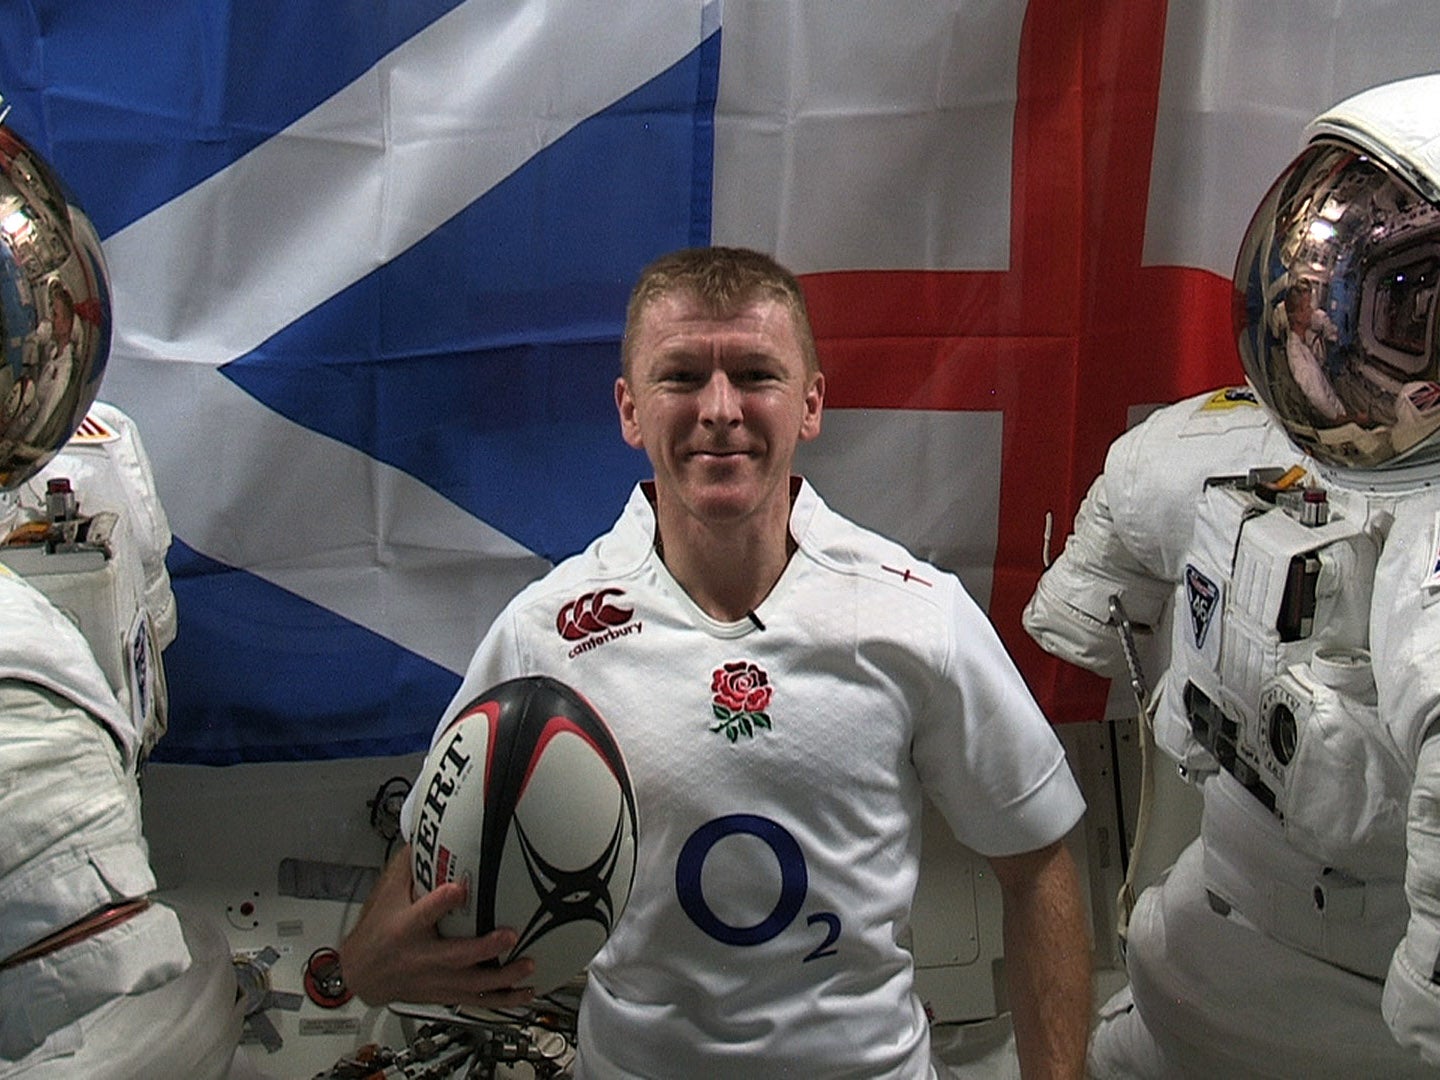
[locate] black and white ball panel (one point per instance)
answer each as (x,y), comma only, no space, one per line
(526,798)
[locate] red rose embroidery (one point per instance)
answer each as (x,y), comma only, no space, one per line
(741,694)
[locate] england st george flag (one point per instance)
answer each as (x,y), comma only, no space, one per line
(369,265)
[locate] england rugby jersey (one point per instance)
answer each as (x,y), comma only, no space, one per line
(779,764)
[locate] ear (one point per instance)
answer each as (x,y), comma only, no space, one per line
(625,406)
(814,405)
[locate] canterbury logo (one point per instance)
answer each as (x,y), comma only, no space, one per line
(591,614)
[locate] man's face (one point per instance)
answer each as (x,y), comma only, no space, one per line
(63,320)
(1304,308)
(719,405)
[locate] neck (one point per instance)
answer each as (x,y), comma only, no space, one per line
(728,572)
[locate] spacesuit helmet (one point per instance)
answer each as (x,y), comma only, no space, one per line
(54,311)
(1336,285)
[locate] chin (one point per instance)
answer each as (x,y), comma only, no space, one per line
(722,509)
(720,504)
(720,499)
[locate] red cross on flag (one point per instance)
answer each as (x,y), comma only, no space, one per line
(1016,227)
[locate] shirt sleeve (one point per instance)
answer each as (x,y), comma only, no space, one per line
(985,753)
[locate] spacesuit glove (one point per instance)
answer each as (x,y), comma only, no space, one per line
(1069,613)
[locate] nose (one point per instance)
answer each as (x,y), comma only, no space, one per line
(720,402)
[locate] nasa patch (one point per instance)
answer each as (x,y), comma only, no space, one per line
(1232,397)
(1430,586)
(1202,597)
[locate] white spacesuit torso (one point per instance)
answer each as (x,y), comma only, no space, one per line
(1285,621)
(1300,687)
(87,607)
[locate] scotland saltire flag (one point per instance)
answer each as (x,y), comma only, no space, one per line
(371,269)
(370,261)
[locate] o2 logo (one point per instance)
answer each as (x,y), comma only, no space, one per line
(794,884)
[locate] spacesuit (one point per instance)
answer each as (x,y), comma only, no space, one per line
(1295,560)
(97,978)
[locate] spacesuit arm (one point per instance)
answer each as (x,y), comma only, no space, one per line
(1412,995)
(1069,614)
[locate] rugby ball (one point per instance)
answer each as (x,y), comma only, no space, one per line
(525,797)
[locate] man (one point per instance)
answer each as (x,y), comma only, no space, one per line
(868,678)
(1308,329)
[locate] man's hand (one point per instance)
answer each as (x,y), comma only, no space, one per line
(394,952)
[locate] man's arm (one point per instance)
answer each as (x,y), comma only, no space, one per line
(1047,960)
(394,952)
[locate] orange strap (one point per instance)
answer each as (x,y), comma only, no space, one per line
(90,925)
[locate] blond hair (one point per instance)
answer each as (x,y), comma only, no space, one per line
(723,280)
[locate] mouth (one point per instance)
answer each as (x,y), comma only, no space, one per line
(718,454)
